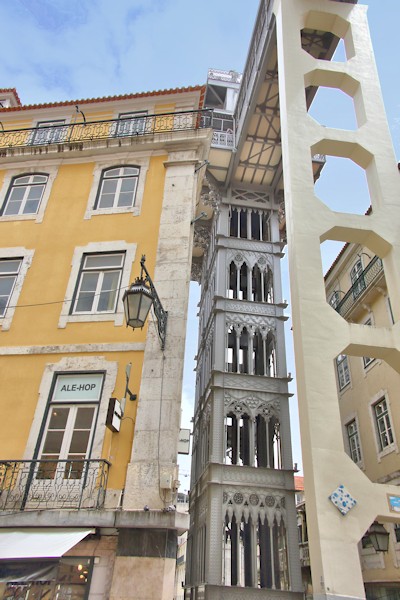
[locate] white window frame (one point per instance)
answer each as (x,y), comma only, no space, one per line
(101,270)
(67,365)
(341,366)
(97,248)
(26,256)
(119,180)
(381,452)
(141,162)
(355,435)
(51,173)
(30,184)
(368,360)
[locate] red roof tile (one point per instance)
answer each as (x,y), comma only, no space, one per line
(14,91)
(197,88)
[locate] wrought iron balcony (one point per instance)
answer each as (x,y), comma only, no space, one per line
(47,484)
(371,272)
(141,125)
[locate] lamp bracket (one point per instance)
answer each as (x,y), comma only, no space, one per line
(160,313)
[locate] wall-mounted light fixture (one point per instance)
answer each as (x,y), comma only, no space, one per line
(379,537)
(139,298)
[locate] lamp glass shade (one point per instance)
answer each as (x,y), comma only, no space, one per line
(379,537)
(137,301)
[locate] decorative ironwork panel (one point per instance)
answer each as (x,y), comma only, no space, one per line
(46,484)
(113,128)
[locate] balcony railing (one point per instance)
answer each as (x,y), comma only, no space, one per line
(223,139)
(304,554)
(141,125)
(365,279)
(44,484)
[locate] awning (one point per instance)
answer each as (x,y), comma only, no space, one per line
(45,542)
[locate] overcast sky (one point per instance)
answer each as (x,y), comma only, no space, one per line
(72,49)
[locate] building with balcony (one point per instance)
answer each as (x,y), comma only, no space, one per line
(88,485)
(367,393)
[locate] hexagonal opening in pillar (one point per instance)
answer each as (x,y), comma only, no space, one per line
(342,185)
(320,103)
(327,36)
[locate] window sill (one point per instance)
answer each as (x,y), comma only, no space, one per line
(118,319)
(386,451)
(134,210)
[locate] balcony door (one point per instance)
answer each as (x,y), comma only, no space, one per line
(62,473)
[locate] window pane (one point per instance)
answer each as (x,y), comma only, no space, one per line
(85,302)
(53,442)
(6,285)
(125,199)
(9,266)
(103,260)
(128,184)
(130,170)
(17,193)
(35,192)
(31,207)
(58,419)
(89,282)
(79,442)
(84,418)
(22,180)
(112,173)
(39,179)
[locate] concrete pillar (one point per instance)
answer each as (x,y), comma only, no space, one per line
(319,332)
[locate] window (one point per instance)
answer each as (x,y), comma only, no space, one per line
(383,424)
(334,299)
(49,132)
(24,195)
(357,279)
(98,284)
(367,360)
(9,269)
(132,123)
(117,188)
(354,441)
(343,372)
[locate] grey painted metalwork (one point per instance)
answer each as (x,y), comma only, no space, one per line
(243,531)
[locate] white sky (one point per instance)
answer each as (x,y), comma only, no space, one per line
(71,49)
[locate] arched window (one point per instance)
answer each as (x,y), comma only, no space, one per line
(24,194)
(117,188)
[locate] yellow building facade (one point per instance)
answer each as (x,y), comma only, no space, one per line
(86,189)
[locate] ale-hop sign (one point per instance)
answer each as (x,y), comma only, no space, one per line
(78,387)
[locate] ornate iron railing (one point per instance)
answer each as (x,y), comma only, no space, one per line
(223,139)
(99,130)
(45,484)
(368,275)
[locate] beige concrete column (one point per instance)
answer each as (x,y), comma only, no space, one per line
(145,562)
(319,332)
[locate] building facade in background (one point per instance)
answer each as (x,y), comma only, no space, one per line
(367,393)
(85,191)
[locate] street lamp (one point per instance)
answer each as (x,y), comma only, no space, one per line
(379,537)
(139,298)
